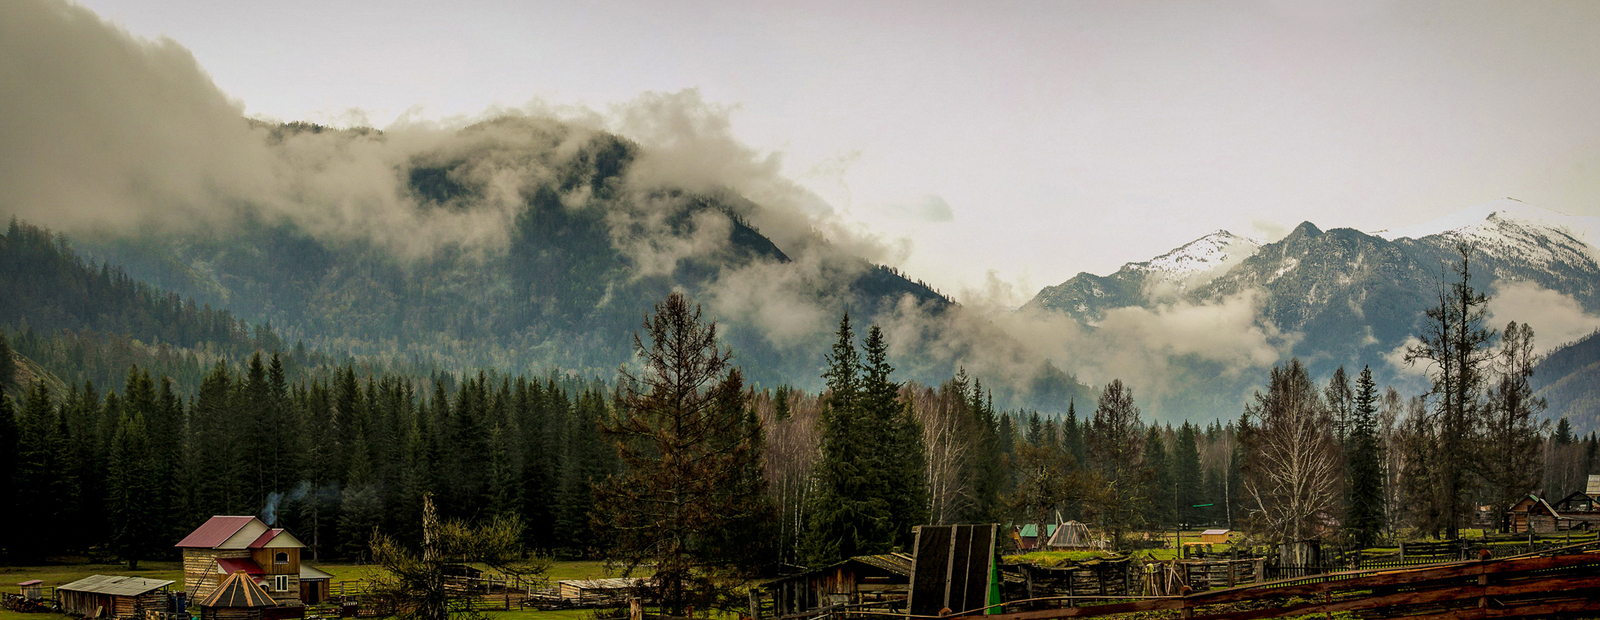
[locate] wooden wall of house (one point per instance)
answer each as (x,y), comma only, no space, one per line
(200,577)
(264,558)
(288,596)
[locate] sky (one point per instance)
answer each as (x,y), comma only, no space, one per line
(1000,146)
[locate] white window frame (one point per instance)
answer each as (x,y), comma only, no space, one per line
(281,582)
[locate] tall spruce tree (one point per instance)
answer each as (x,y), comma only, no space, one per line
(8,471)
(899,452)
(131,504)
(851,514)
(1187,476)
(1364,498)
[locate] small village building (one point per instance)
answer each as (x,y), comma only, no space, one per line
(314,585)
(225,545)
(599,590)
(861,579)
(1072,535)
(111,596)
(32,589)
(1028,535)
(1216,537)
(1533,513)
(238,597)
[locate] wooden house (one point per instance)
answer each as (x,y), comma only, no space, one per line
(1533,513)
(237,598)
(110,596)
(225,545)
(861,579)
(1028,537)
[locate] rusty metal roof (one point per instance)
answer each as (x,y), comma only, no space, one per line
(248,566)
(239,590)
(214,532)
(116,585)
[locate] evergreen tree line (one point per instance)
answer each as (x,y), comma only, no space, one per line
(333,458)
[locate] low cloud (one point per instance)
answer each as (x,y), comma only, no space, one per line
(1556,318)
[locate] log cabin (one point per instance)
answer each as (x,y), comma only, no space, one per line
(226,545)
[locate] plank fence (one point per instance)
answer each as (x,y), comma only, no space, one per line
(1566,580)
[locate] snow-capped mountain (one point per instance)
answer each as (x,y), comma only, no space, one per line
(1350,298)
(1087,296)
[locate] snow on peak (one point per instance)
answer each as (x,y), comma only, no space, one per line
(1475,220)
(1203,255)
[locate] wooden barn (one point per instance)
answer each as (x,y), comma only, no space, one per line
(110,596)
(861,579)
(225,545)
(238,598)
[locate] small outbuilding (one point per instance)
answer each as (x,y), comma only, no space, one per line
(861,579)
(32,589)
(238,598)
(1216,537)
(599,590)
(314,586)
(1072,535)
(112,596)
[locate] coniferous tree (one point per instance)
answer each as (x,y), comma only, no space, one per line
(1160,487)
(131,504)
(1119,475)
(1364,512)
(42,485)
(9,436)
(899,455)
(682,433)
(1187,475)
(851,515)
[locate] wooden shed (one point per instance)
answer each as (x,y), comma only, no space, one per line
(1216,537)
(238,598)
(861,579)
(32,589)
(111,596)
(599,590)
(314,586)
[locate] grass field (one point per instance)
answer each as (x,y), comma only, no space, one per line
(56,575)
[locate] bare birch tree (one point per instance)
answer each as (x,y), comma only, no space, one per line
(1292,471)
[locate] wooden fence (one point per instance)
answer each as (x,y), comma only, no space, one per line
(1563,582)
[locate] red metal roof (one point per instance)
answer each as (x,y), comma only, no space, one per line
(239,565)
(266,537)
(214,532)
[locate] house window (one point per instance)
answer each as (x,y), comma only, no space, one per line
(281,558)
(281,583)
